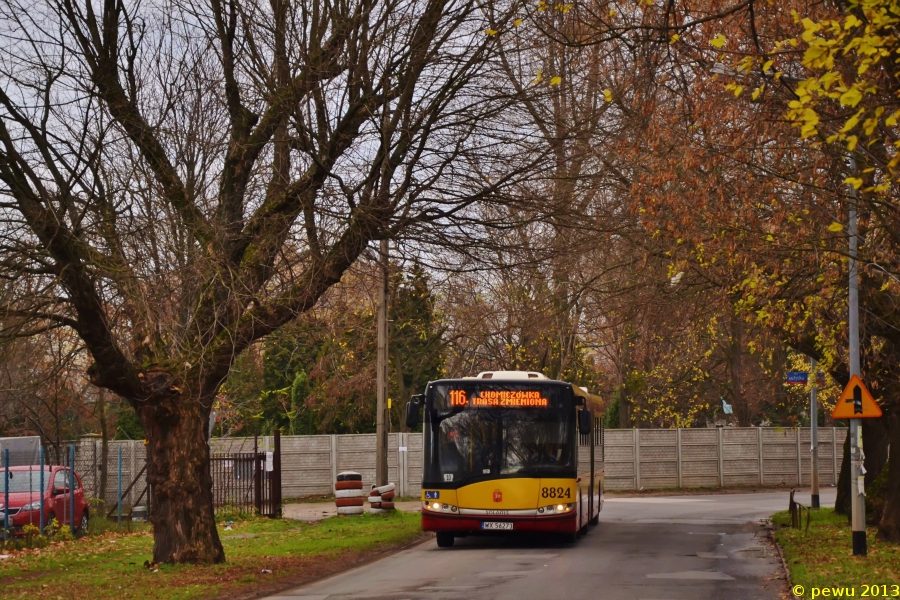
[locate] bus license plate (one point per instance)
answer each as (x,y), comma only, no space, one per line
(489,525)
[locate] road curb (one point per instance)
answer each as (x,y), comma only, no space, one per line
(787,572)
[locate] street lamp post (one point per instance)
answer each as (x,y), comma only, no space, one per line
(857,489)
(381,470)
(814,435)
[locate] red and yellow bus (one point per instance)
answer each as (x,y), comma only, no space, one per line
(509,451)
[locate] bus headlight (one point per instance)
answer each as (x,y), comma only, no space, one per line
(556,509)
(439,507)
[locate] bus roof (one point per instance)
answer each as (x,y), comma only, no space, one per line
(592,401)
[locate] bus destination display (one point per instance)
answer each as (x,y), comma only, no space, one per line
(499,398)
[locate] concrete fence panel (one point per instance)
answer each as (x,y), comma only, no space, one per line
(634,459)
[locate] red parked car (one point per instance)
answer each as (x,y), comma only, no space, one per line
(25,497)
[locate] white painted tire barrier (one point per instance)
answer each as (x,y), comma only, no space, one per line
(379,498)
(349,494)
(349,497)
(351,510)
(385,488)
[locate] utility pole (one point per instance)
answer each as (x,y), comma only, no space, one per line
(857,489)
(381,470)
(814,434)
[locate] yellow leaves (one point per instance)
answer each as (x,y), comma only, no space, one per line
(767,65)
(819,54)
(856,182)
(555,80)
(852,140)
(810,29)
(491,32)
(539,77)
(563,8)
(745,65)
(828,79)
(517,22)
(851,21)
(735,89)
(869,125)
(851,97)
(718,41)
(674,38)
(835,227)
(612,13)
(756,93)
(607,95)
(805,117)
(851,122)
(542,6)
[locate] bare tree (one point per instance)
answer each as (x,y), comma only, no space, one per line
(43,390)
(181,179)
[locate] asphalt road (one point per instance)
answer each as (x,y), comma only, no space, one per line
(648,548)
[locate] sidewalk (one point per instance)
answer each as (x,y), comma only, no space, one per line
(322,510)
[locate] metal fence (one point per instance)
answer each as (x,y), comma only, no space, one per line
(248,481)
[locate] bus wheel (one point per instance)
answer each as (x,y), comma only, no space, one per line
(444,539)
(595,520)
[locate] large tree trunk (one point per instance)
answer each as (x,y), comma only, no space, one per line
(740,407)
(184,523)
(876,440)
(889,527)
(842,502)
(875,447)
(624,416)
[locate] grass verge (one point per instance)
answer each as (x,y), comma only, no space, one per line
(264,556)
(823,558)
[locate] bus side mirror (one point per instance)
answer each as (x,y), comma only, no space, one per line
(412,413)
(585,421)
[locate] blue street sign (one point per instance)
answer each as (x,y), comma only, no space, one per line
(797,377)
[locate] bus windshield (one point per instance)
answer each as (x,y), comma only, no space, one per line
(481,431)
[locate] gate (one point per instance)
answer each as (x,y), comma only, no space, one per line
(248,481)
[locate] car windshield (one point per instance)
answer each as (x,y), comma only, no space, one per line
(23,481)
(482,432)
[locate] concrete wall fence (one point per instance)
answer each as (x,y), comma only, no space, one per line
(720,457)
(635,459)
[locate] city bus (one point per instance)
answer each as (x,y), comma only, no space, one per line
(509,452)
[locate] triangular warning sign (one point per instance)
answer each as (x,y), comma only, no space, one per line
(856,402)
